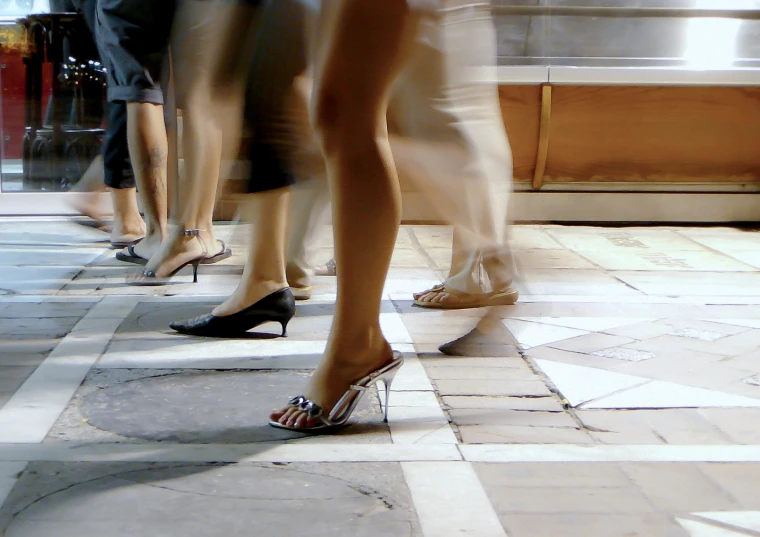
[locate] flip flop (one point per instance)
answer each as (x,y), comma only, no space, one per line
(132,256)
(226,253)
(460,300)
(121,245)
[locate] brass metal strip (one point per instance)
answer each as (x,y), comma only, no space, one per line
(543,136)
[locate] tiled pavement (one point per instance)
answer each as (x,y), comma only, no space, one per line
(620,397)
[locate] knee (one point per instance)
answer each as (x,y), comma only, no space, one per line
(341,121)
(326,118)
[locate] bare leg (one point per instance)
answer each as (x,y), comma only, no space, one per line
(91,187)
(202,141)
(265,266)
(310,197)
(360,56)
(146,135)
(128,225)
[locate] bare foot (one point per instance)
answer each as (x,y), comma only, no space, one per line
(440,297)
(332,378)
(128,225)
(89,204)
(436,295)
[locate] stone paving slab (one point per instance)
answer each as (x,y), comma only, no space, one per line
(184,406)
(83,500)
(666,426)
(614,499)
(522,434)
(28,333)
(152,386)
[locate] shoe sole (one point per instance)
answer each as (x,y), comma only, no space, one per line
(508,298)
(301,293)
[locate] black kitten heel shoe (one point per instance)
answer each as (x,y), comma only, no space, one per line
(278,307)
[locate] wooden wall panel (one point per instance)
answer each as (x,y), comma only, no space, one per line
(657,134)
(521,111)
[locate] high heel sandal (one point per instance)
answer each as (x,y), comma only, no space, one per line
(346,405)
(279,307)
(150,278)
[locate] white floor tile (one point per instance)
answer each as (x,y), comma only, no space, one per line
(48,257)
(592,324)
(203,354)
(35,280)
(645,240)
(580,384)
(33,409)
(412,376)
(665,260)
(238,453)
(609,453)
(579,283)
(530,334)
(748,520)
(531,238)
(694,284)
(550,259)
(659,394)
(700,529)
(450,500)
(394,329)
(749,323)
(9,472)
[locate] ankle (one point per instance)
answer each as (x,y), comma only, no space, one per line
(359,346)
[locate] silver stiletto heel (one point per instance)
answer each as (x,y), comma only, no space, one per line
(387,386)
(346,405)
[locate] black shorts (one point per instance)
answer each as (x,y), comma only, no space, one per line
(133,37)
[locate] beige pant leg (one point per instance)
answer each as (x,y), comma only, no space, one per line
(453,143)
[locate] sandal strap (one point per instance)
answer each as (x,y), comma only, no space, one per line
(312,409)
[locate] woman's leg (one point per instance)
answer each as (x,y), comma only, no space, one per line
(453,134)
(264,271)
(194,32)
(363,44)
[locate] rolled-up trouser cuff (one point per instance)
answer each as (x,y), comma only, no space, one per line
(136,95)
(119,179)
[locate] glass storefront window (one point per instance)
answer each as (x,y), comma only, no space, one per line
(670,34)
(52,97)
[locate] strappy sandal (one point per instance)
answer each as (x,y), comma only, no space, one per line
(338,416)
(459,300)
(328,269)
(150,278)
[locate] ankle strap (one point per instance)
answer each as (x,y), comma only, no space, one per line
(192,232)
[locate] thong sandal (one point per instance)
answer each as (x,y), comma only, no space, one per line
(120,245)
(132,256)
(225,253)
(459,300)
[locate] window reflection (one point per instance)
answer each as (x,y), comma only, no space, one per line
(711,43)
